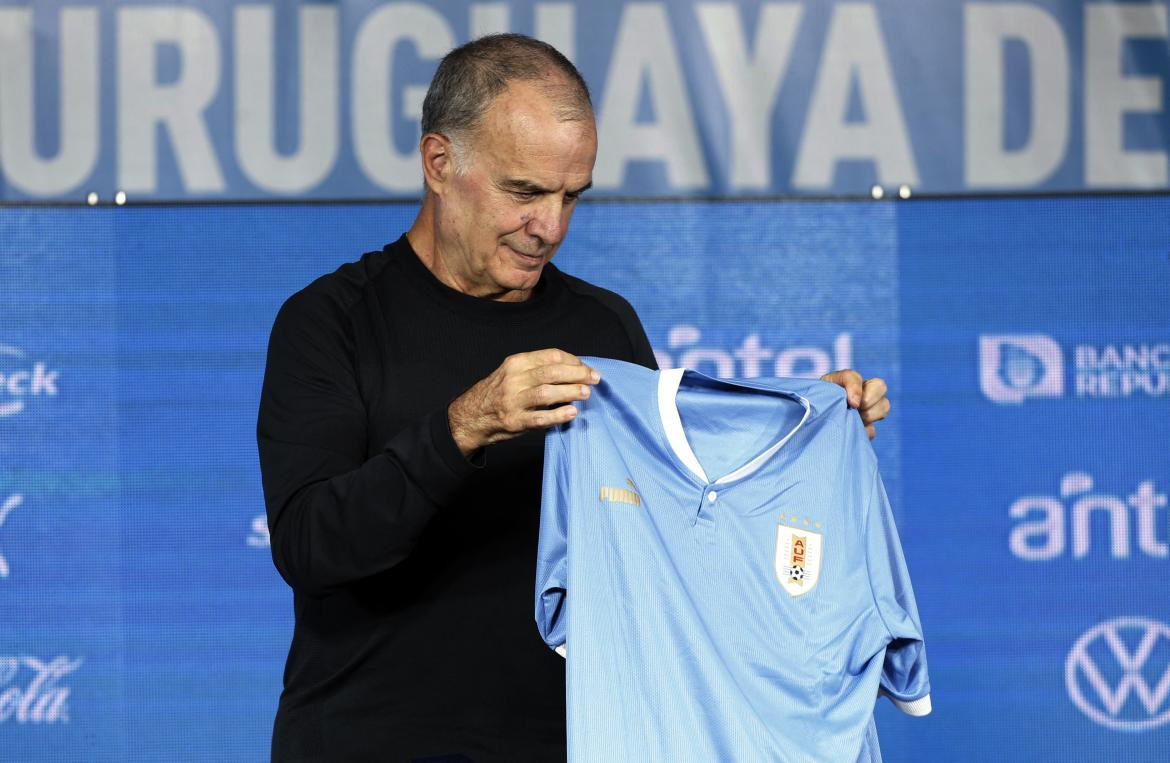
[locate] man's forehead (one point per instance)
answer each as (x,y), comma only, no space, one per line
(553,92)
(525,106)
(523,136)
(544,168)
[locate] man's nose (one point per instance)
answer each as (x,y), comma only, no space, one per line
(545,222)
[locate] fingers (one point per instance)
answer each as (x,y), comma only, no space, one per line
(868,396)
(542,419)
(875,412)
(547,395)
(873,391)
(849,380)
(530,390)
(548,356)
(529,361)
(559,373)
(546,378)
(875,406)
(549,378)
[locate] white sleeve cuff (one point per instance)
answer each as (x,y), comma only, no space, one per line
(916,707)
(563,652)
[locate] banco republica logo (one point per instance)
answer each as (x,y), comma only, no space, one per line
(21,379)
(1013,367)
(1118,673)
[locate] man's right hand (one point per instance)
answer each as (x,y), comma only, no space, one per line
(531,390)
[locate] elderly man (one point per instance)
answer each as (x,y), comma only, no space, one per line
(400,433)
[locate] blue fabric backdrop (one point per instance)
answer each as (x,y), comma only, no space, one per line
(1026,344)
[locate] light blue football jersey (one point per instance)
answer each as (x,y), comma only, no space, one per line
(719,563)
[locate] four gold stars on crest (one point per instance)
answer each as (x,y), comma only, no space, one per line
(796,521)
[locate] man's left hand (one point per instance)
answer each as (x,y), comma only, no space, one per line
(868,396)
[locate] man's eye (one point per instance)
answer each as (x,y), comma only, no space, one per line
(524,195)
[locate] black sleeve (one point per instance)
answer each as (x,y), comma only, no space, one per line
(334,515)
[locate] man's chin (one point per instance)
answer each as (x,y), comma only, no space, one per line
(520,280)
(527,279)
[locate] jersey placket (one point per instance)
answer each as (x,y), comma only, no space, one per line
(705,519)
(705,524)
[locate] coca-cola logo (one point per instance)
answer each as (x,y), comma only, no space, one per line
(31,690)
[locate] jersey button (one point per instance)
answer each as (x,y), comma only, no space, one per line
(712,496)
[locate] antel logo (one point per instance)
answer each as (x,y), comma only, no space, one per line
(685,349)
(1118,673)
(1013,367)
(19,380)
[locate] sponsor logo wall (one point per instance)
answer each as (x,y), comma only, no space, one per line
(66,644)
(1035,358)
(1026,343)
(144,619)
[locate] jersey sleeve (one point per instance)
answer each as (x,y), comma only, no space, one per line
(904,678)
(552,547)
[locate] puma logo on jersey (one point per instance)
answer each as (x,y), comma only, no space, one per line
(621,494)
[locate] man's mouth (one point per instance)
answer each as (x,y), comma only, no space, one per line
(532,259)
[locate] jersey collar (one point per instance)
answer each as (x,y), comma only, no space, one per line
(676,437)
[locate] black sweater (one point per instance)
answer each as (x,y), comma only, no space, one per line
(412,567)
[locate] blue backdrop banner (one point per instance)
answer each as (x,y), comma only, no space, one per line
(249,100)
(1026,344)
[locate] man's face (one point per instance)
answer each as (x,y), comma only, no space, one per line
(502,219)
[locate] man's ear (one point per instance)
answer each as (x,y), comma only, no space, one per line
(437,161)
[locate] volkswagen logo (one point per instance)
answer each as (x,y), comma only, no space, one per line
(1118,673)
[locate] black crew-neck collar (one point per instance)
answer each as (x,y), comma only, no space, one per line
(542,293)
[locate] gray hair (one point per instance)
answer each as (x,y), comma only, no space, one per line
(471,76)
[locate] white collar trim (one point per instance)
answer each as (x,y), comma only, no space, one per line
(676,437)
